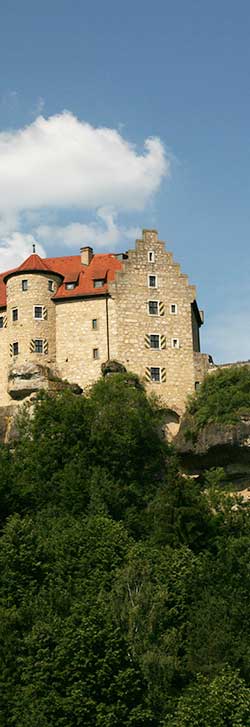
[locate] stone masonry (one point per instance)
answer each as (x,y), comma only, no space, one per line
(72,314)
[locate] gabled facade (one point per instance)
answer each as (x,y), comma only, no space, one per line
(73,313)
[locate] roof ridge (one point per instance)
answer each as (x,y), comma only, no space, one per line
(33,262)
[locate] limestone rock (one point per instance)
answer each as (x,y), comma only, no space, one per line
(8,431)
(216,445)
(26,379)
(112,367)
(29,378)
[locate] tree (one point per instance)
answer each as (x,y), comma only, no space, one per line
(223,702)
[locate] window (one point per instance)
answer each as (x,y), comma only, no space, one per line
(153,307)
(1,322)
(38,345)
(24,284)
(38,312)
(151,256)
(51,285)
(99,283)
(95,353)
(152,281)
(15,348)
(197,385)
(173,308)
(94,324)
(175,343)
(155,373)
(15,314)
(154,340)
(70,286)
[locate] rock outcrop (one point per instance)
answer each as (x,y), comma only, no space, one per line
(8,430)
(30,378)
(216,445)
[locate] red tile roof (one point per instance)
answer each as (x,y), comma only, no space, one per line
(101,267)
(33,263)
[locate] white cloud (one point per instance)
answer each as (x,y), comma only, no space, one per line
(103,233)
(63,162)
(15,248)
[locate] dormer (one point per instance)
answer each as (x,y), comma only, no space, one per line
(71,280)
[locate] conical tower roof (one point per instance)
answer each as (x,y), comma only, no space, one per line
(32,264)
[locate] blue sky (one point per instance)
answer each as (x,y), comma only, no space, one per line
(177,72)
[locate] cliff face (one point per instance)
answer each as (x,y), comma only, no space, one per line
(216,445)
(24,383)
(8,430)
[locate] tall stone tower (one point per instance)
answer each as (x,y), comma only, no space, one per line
(31,317)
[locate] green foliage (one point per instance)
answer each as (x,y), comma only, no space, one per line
(222,398)
(124,588)
(223,702)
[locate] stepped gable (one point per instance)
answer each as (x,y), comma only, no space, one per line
(71,269)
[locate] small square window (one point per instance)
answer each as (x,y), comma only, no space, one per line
(175,343)
(99,283)
(154,340)
(24,284)
(70,286)
(38,345)
(94,324)
(152,282)
(1,322)
(155,373)
(15,348)
(151,256)
(153,307)
(15,314)
(51,285)
(173,308)
(38,312)
(95,353)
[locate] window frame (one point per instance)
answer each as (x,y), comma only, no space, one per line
(51,286)
(153,301)
(177,341)
(152,275)
(94,324)
(151,253)
(173,312)
(155,348)
(97,281)
(156,368)
(15,317)
(96,354)
(39,340)
(25,285)
(15,353)
(37,318)
(70,286)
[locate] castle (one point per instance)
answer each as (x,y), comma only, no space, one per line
(69,314)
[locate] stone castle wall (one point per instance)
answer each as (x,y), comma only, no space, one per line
(4,361)
(27,328)
(81,339)
(132,292)
(80,334)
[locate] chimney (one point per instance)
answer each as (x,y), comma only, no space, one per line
(86,255)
